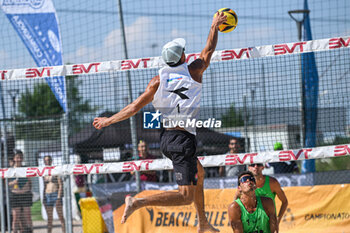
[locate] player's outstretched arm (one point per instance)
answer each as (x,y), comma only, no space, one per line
(276,188)
(131,109)
(212,40)
(234,216)
(269,208)
(198,66)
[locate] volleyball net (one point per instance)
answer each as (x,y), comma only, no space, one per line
(291,95)
(255,95)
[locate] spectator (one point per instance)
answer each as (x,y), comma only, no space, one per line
(10,162)
(144,154)
(20,199)
(80,183)
(230,171)
(53,193)
(284,167)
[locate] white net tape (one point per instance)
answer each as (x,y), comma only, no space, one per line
(156,62)
(165,164)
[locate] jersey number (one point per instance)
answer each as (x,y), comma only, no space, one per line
(178,108)
(182,95)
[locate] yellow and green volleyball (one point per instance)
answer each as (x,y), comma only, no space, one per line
(231,22)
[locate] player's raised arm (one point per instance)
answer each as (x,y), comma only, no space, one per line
(212,40)
(269,208)
(198,66)
(276,187)
(131,109)
(234,216)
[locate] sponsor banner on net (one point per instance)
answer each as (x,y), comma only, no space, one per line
(157,62)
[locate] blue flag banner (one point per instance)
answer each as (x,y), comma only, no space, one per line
(36,23)
(310,88)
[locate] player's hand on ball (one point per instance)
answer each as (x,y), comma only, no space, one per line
(100,122)
(231,20)
(219,19)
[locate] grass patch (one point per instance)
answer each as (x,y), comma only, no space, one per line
(36,211)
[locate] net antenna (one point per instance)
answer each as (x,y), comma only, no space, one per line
(299,16)
(296,16)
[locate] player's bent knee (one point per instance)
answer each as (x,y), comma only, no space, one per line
(187,194)
(188,199)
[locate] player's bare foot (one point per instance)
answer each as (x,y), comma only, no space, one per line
(207,228)
(129,208)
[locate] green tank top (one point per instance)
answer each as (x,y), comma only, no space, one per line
(256,222)
(265,191)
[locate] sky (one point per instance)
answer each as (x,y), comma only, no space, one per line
(90,31)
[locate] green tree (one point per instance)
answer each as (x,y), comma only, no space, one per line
(41,103)
(232,118)
(77,106)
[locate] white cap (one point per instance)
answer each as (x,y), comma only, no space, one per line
(173,50)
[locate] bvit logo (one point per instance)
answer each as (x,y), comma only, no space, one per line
(151,120)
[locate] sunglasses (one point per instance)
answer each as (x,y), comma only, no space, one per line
(256,164)
(246,178)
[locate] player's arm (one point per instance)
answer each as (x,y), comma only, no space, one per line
(60,188)
(234,216)
(197,67)
(269,208)
(212,40)
(276,188)
(145,98)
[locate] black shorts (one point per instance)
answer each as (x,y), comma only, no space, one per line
(180,147)
(21,200)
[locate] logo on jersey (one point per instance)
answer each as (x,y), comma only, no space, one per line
(173,79)
(179,92)
(151,120)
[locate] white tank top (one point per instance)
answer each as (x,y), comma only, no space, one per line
(178,98)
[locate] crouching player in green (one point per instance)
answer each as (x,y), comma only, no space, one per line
(249,213)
